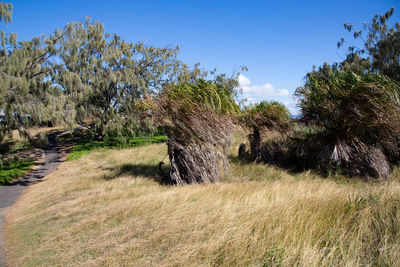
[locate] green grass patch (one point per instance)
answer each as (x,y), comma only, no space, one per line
(10,169)
(86,145)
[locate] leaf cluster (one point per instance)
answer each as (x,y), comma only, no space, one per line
(270,114)
(6,12)
(210,94)
(347,105)
(379,51)
(201,111)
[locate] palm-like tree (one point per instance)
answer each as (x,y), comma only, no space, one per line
(271,115)
(197,118)
(359,119)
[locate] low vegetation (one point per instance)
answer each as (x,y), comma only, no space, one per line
(86,145)
(358,121)
(109,209)
(198,121)
(13,168)
(272,116)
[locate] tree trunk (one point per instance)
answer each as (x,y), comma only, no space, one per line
(98,133)
(255,145)
(258,153)
(192,163)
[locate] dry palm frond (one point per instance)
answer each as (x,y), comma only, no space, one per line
(198,121)
(356,159)
(360,120)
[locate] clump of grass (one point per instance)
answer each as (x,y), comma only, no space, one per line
(13,168)
(86,145)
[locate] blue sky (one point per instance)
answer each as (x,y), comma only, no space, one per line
(279,41)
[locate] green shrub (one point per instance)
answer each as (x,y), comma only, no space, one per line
(13,168)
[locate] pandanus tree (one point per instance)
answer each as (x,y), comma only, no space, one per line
(269,115)
(359,121)
(198,118)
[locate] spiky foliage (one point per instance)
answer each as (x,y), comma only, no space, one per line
(105,76)
(26,96)
(270,114)
(348,105)
(357,116)
(266,114)
(197,117)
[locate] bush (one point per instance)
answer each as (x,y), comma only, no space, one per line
(270,115)
(13,168)
(359,121)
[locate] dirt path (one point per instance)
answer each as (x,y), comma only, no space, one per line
(10,193)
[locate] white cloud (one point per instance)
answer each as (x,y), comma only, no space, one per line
(292,106)
(243,80)
(259,91)
(265,90)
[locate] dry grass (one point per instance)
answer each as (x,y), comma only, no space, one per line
(108,210)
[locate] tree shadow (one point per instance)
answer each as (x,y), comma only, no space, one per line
(291,166)
(6,147)
(155,172)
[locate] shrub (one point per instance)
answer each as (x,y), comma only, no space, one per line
(13,168)
(359,121)
(271,115)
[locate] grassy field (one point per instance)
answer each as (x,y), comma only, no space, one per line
(108,209)
(85,146)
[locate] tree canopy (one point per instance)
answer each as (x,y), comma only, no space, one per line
(5,12)
(26,95)
(379,51)
(104,76)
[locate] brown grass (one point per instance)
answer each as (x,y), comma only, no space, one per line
(108,210)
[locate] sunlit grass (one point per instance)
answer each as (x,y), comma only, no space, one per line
(16,141)
(107,209)
(86,146)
